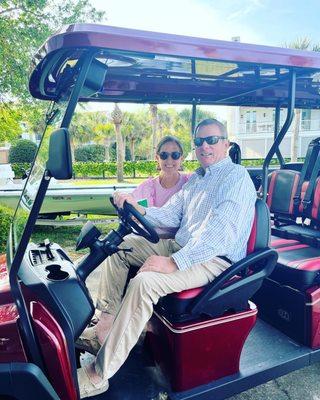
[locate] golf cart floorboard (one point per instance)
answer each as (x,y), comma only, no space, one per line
(267,355)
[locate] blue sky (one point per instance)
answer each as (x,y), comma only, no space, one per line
(268,22)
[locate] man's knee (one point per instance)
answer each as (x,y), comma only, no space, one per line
(142,282)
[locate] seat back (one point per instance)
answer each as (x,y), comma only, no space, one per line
(235,153)
(287,188)
(259,238)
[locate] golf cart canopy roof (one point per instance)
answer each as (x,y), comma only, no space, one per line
(147,67)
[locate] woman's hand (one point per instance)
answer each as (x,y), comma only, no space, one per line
(120,197)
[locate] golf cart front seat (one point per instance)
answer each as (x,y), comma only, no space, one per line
(231,290)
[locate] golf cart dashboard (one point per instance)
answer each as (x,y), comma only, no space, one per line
(50,275)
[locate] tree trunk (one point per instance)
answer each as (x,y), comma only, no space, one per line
(132,150)
(295,136)
(154,123)
(120,155)
(107,142)
(72,147)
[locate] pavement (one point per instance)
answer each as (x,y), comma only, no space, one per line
(303,384)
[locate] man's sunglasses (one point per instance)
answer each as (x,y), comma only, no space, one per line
(175,155)
(198,141)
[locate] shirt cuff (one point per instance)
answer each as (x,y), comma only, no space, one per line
(183,262)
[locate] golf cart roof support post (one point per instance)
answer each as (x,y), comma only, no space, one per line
(280,136)
(193,118)
(27,334)
(276,131)
(86,59)
(194,105)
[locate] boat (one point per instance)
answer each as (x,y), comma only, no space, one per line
(65,199)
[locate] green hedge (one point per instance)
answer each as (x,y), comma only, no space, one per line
(19,169)
(6,215)
(131,168)
(22,152)
(90,152)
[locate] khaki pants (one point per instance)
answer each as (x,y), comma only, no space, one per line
(135,309)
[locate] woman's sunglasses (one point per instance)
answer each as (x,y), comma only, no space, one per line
(175,155)
(198,141)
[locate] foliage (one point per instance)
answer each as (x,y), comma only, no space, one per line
(10,123)
(19,169)
(131,168)
(22,152)
(89,152)
(113,152)
(29,24)
(6,215)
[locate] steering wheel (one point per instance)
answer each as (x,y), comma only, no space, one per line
(129,215)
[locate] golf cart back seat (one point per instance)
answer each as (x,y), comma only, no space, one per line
(291,195)
(298,248)
(231,290)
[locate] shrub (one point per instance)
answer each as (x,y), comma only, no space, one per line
(22,152)
(20,169)
(6,215)
(90,152)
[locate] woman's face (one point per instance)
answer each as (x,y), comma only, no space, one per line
(169,150)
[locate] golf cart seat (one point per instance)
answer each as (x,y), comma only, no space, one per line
(235,286)
(298,248)
(235,153)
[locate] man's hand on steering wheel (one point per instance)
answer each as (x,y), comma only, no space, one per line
(132,217)
(119,198)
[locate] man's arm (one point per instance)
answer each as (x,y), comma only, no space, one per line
(169,215)
(222,228)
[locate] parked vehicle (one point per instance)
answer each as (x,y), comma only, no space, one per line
(196,337)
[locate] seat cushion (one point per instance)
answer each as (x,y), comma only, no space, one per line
(298,265)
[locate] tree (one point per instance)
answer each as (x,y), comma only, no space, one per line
(117,118)
(135,127)
(154,124)
(24,26)
(105,134)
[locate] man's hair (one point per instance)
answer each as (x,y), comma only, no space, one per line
(169,139)
(211,121)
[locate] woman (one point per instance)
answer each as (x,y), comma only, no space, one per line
(155,192)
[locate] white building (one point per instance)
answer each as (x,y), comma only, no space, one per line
(253,130)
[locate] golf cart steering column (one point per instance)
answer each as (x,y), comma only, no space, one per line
(131,221)
(100,249)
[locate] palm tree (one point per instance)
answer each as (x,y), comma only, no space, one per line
(105,134)
(117,118)
(154,124)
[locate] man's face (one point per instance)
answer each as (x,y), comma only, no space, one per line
(209,154)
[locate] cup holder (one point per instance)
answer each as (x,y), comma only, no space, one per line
(55,273)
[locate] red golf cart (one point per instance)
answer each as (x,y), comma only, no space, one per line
(203,343)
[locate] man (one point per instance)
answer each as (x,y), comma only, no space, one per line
(213,213)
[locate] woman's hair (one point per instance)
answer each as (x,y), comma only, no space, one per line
(168,139)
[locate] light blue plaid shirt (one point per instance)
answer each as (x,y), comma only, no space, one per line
(213,212)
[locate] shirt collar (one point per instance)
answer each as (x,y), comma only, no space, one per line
(214,167)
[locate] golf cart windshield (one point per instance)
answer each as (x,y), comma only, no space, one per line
(28,196)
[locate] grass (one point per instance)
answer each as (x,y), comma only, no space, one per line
(66,236)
